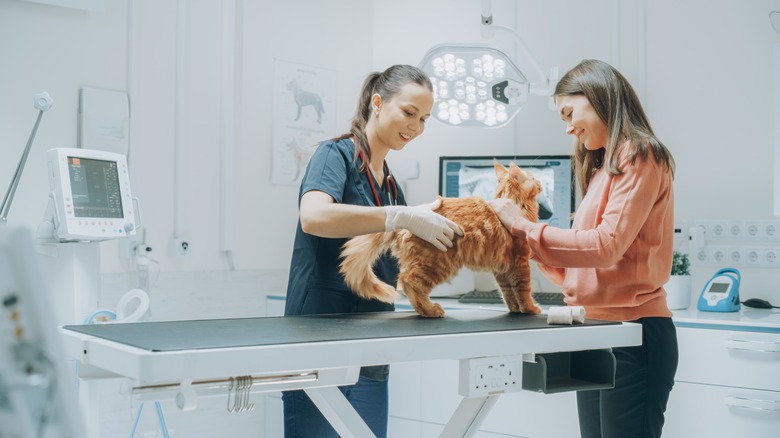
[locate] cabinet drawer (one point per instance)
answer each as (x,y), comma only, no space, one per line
(729,358)
(715,411)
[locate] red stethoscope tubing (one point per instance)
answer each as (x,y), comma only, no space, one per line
(388,181)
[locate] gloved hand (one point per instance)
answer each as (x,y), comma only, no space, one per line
(424,223)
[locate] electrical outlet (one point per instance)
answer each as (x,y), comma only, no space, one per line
(735,230)
(752,257)
(700,257)
(179,247)
(735,256)
(717,229)
(770,230)
(753,229)
(490,375)
(770,258)
(718,255)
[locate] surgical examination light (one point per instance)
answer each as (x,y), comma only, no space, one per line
(479,85)
(474,85)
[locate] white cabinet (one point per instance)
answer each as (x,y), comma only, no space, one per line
(727,384)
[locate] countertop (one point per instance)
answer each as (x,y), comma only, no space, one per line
(746,319)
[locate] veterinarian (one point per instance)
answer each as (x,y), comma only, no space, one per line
(618,254)
(347,191)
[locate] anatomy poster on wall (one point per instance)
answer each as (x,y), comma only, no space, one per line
(304,110)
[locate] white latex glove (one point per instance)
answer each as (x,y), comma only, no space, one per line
(424,223)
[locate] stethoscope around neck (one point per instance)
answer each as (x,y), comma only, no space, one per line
(389,183)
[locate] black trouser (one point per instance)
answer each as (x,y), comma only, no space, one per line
(643,380)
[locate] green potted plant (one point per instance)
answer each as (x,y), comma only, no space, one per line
(678,288)
(680,264)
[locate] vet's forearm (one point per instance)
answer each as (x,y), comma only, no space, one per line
(342,220)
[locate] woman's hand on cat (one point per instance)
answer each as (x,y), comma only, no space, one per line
(424,223)
(508,212)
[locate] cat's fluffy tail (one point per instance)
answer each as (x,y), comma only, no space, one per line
(359,254)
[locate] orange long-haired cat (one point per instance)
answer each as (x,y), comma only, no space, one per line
(485,246)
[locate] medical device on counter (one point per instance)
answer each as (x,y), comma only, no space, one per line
(721,293)
(90,195)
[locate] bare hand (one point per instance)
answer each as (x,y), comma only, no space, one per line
(507,211)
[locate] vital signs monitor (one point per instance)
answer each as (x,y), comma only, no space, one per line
(90,195)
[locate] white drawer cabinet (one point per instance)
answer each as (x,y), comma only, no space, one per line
(721,412)
(727,384)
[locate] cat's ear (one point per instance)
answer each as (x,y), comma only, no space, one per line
(500,169)
(515,172)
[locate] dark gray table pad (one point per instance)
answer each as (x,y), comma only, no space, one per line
(246,332)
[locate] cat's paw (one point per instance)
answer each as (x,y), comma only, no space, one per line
(433,311)
(530,309)
(535,310)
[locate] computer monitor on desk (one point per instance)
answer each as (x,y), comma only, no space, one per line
(464,176)
(461,177)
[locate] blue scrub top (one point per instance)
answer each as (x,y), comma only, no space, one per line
(315,285)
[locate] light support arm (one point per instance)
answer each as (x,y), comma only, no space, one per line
(42,102)
(544,88)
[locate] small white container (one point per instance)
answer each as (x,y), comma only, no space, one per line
(678,292)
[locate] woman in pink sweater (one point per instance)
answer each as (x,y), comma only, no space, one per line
(618,254)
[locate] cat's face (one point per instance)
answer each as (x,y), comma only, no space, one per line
(516,184)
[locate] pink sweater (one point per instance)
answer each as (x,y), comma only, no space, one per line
(618,254)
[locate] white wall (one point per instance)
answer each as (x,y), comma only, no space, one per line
(709,82)
(703,69)
(90,48)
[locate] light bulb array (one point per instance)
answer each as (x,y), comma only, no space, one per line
(474,85)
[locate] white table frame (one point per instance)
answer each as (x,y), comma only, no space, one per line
(320,367)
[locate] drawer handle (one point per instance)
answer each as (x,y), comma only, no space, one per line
(759,346)
(753,403)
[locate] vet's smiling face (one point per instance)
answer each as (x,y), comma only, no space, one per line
(402,118)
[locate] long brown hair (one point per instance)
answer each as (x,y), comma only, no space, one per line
(387,84)
(618,106)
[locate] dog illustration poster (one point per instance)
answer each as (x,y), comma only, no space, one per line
(304,110)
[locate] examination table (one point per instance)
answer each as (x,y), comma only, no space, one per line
(499,352)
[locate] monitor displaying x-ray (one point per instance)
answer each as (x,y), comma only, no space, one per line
(90,194)
(461,177)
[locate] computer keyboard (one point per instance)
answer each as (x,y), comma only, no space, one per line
(482,297)
(495,297)
(549,298)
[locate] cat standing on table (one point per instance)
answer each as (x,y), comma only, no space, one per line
(348,191)
(618,254)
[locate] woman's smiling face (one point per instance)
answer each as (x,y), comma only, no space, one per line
(402,118)
(582,121)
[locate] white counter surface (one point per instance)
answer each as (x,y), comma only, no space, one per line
(746,319)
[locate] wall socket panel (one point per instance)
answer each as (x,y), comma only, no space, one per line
(736,256)
(757,230)
(484,376)
(737,243)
